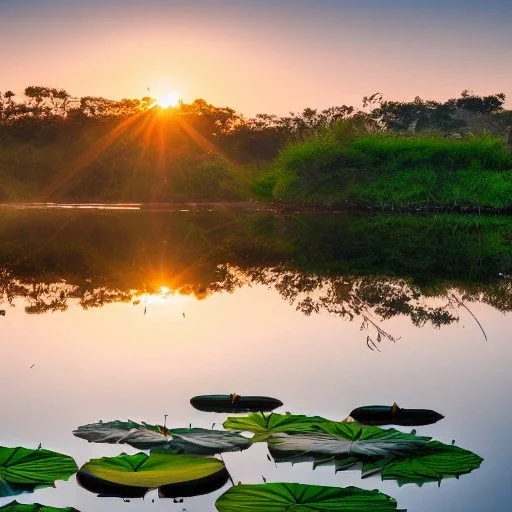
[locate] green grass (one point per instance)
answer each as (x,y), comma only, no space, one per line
(400,153)
(340,167)
(385,170)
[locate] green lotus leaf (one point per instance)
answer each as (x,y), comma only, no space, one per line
(151,471)
(24,470)
(435,462)
(14,506)
(264,426)
(292,497)
(198,441)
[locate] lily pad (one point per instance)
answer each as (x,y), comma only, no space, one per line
(14,506)
(287,497)
(435,462)
(394,415)
(264,426)
(326,444)
(24,470)
(198,441)
(234,403)
(432,463)
(134,475)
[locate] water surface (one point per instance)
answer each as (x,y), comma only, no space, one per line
(128,314)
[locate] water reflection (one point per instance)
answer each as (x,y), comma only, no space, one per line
(367,269)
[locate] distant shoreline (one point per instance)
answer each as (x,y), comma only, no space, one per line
(261,206)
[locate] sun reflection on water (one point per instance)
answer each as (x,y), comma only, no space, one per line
(161,295)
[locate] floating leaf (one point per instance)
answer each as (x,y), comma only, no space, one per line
(143,436)
(431,463)
(394,415)
(264,426)
(14,506)
(139,435)
(435,462)
(287,497)
(134,475)
(24,470)
(201,441)
(234,403)
(325,444)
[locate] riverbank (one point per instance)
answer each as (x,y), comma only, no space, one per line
(380,172)
(383,172)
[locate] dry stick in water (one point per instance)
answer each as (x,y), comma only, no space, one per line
(229,474)
(460,303)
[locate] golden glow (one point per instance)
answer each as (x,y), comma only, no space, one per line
(169,99)
(167,297)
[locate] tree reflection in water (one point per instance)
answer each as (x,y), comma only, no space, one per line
(367,269)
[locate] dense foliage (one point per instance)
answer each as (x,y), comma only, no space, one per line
(54,147)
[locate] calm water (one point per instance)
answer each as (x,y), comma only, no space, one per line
(246,302)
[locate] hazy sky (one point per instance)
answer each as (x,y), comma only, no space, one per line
(259,55)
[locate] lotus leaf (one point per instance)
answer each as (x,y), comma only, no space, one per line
(435,462)
(234,403)
(264,426)
(151,471)
(201,441)
(14,506)
(287,497)
(24,470)
(326,444)
(394,415)
(140,435)
(143,436)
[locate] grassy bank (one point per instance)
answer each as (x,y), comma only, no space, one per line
(335,168)
(383,170)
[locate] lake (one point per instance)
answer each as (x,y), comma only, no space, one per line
(127,313)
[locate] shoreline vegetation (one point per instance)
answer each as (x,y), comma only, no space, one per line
(404,157)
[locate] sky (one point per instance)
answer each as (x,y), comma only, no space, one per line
(272,56)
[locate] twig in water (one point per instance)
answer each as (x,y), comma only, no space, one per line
(229,474)
(460,303)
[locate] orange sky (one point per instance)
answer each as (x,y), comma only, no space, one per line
(258,56)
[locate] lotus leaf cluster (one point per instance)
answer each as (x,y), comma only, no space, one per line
(400,456)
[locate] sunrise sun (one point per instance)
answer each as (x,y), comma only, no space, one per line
(169,99)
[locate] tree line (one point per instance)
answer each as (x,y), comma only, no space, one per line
(44,112)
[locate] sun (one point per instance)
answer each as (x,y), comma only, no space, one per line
(169,99)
